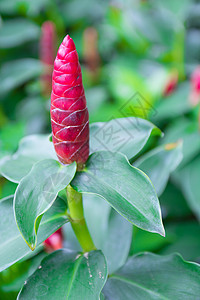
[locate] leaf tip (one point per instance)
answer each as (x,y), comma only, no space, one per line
(161,230)
(32,246)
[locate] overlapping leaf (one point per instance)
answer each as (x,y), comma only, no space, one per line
(150,276)
(67,275)
(36,193)
(159,163)
(12,245)
(126,188)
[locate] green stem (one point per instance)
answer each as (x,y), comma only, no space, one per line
(77,219)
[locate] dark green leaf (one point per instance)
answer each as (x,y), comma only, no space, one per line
(12,245)
(36,193)
(17,31)
(179,100)
(126,188)
(184,240)
(173,203)
(32,8)
(188,179)
(147,241)
(159,163)
(12,279)
(150,276)
(126,135)
(188,132)
(32,148)
(67,275)
(17,72)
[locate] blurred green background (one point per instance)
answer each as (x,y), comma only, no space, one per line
(138,58)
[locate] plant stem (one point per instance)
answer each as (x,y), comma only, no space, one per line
(77,220)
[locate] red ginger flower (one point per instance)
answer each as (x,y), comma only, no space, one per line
(171,84)
(54,242)
(69,114)
(195,87)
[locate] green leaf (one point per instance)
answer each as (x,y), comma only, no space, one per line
(185,240)
(150,276)
(188,132)
(126,135)
(12,279)
(36,193)
(159,163)
(127,189)
(16,72)
(14,7)
(188,180)
(144,241)
(31,149)
(173,203)
(66,275)
(12,245)
(117,241)
(17,31)
(10,135)
(179,100)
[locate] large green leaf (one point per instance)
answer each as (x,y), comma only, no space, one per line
(31,149)
(17,31)
(17,72)
(12,245)
(36,193)
(159,163)
(126,135)
(150,276)
(126,188)
(66,275)
(188,179)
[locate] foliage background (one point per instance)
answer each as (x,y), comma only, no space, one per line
(125,48)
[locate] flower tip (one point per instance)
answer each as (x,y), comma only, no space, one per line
(68,42)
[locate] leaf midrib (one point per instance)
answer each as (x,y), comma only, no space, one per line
(75,270)
(114,276)
(105,183)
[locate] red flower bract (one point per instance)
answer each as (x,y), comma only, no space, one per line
(69,114)
(54,242)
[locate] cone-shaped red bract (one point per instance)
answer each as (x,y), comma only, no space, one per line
(69,114)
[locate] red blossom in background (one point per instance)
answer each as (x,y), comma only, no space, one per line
(90,50)
(195,87)
(69,114)
(47,55)
(54,242)
(171,84)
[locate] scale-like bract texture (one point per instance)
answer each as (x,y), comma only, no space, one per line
(69,114)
